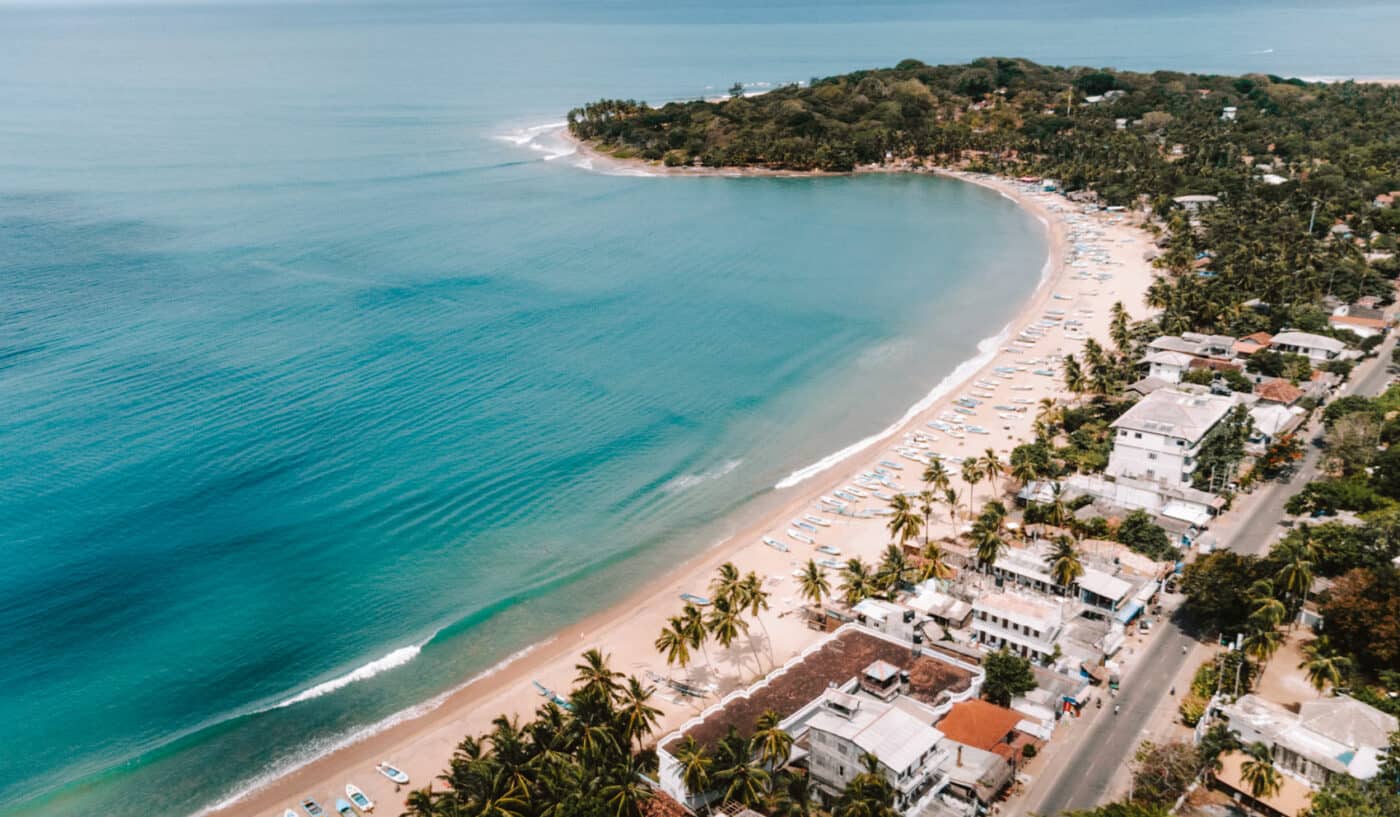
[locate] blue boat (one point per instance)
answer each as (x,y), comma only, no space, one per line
(342,807)
(698,601)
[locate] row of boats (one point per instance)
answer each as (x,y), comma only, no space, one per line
(356,802)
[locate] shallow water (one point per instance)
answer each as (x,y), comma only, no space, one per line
(305,340)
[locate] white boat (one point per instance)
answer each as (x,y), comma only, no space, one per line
(817,520)
(359,798)
(775,544)
(289,813)
(386,769)
(896,466)
(830,550)
(801,537)
(805,525)
(853,490)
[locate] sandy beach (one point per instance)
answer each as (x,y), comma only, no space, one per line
(1072,303)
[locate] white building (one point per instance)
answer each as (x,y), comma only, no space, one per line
(1168,366)
(1315,347)
(846,727)
(1159,438)
(1328,736)
(1022,624)
(886,617)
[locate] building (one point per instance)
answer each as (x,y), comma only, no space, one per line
(1022,624)
(1194,204)
(878,670)
(1315,347)
(886,617)
(1167,366)
(1159,438)
(1249,344)
(1364,321)
(1328,736)
(934,605)
(1278,390)
(846,727)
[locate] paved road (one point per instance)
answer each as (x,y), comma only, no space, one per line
(1086,774)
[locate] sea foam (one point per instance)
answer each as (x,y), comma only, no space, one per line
(397,658)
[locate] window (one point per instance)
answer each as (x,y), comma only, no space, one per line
(1137,435)
(1152,456)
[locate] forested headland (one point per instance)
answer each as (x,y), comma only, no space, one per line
(1302,171)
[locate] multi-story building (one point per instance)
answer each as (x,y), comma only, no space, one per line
(1022,624)
(1159,438)
(847,727)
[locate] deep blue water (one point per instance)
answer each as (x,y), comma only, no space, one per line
(305,363)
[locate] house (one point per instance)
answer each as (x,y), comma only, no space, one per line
(1180,502)
(1279,390)
(846,727)
(1314,347)
(1022,624)
(1166,365)
(1195,344)
(1386,199)
(1249,344)
(1328,736)
(1291,800)
(1229,113)
(935,605)
(1272,421)
(1273,179)
(1364,321)
(886,617)
(876,669)
(1159,438)
(1196,203)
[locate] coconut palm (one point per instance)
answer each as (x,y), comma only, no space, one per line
(742,776)
(1063,561)
(971,474)
(1296,576)
(627,794)
(755,599)
(1048,416)
(725,585)
(695,630)
(595,675)
(1258,771)
(638,716)
(927,501)
(1324,664)
(724,622)
(674,642)
(421,802)
(905,521)
(991,467)
(1058,514)
(794,795)
(1262,643)
(1024,472)
(695,764)
(1075,379)
(774,744)
(1118,329)
(934,563)
(936,476)
(856,582)
(814,583)
(894,566)
(950,498)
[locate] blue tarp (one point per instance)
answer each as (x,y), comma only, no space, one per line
(1130,611)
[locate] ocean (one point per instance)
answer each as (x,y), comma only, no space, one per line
(330,379)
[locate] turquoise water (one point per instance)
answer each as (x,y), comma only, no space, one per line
(324,384)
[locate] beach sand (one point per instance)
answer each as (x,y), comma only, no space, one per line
(422,745)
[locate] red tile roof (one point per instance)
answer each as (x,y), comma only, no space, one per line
(979,724)
(1279,391)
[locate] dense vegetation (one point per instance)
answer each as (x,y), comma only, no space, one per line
(1127,138)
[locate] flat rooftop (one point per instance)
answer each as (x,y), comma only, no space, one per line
(843,657)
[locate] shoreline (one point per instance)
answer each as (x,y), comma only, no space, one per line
(422,740)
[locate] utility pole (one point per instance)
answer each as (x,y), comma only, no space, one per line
(1313,218)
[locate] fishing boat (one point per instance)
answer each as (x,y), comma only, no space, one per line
(698,601)
(1023,388)
(978,430)
(801,537)
(817,520)
(957,435)
(312,808)
(858,492)
(896,466)
(390,772)
(542,689)
(962,410)
(805,525)
(848,497)
(832,563)
(775,544)
(359,798)
(881,495)
(342,807)
(290,813)
(829,550)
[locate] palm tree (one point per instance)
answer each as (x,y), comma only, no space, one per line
(991,468)
(1324,664)
(1024,472)
(595,675)
(638,716)
(421,802)
(695,630)
(935,563)
(1048,416)
(855,582)
(744,779)
(674,642)
(626,795)
(726,582)
(1075,380)
(989,545)
(1258,771)
(904,522)
(950,498)
(936,476)
(755,598)
(971,474)
(894,566)
(695,766)
(814,583)
(927,501)
(1063,561)
(1262,643)
(1295,577)
(773,742)
(793,795)
(1118,329)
